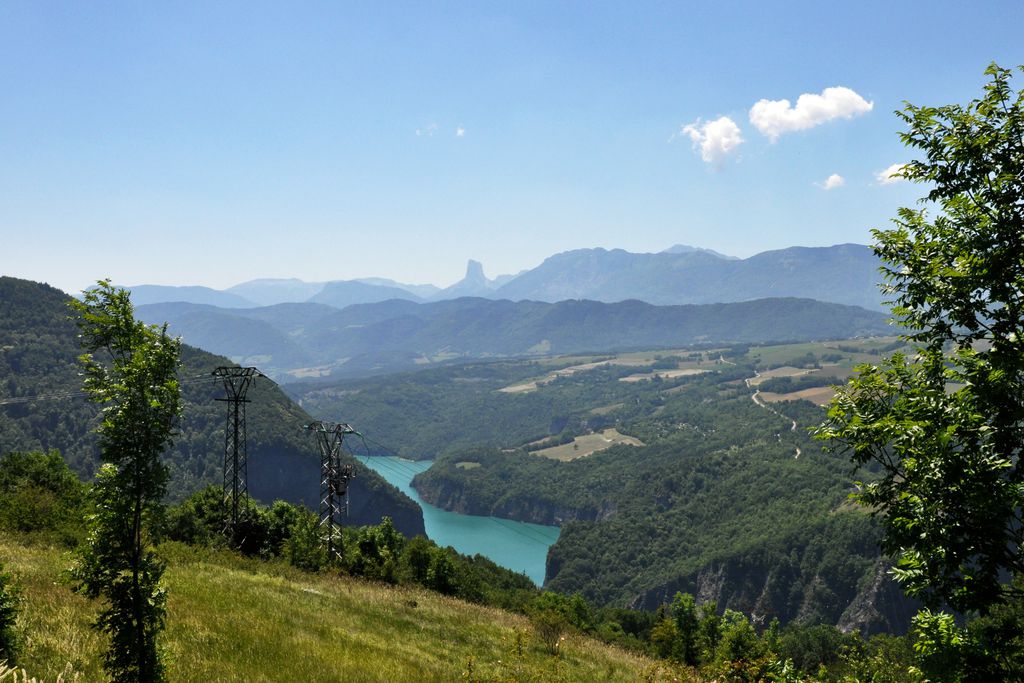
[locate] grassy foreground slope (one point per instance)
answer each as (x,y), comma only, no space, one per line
(231,619)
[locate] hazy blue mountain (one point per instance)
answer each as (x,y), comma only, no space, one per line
(686,249)
(845,273)
(270,291)
(422,291)
(344,293)
(298,341)
(154,294)
(475,283)
(682,274)
(245,339)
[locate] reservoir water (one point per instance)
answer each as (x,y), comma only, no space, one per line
(518,546)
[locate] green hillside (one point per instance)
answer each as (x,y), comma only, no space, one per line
(726,499)
(38,351)
(231,619)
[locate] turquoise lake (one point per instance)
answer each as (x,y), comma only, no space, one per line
(519,546)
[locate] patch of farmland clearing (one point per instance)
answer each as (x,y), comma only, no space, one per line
(663,374)
(585,445)
(819,396)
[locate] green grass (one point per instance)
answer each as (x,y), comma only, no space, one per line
(232,619)
(785,354)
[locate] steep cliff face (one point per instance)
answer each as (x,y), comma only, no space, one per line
(869,602)
(451,495)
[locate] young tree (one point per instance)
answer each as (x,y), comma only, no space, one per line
(945,423)
(136,381)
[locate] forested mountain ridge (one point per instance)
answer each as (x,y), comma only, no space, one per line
(395,335)
(38,351)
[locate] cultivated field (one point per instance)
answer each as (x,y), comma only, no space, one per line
(587,444)
(819,396)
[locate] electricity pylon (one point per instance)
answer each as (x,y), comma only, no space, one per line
(334,480)
(236,471)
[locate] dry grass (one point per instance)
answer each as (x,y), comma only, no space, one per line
(587,444)
(664,374)
(819,396)
(605,410)
(785,371)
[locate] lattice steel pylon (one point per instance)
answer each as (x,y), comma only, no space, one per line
(236,470)
(334,479)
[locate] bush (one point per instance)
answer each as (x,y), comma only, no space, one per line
(9,603)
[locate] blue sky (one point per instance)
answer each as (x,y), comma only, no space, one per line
(214,143)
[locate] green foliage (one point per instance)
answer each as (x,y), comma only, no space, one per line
(684,612)
(941,645)
(945,424)
(303,547)
(10,606)
(138,388)
(550,616)
(376,551)
(40,495)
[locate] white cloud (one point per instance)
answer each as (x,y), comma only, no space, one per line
(888,176)
(715,139)
(832,182)
(460,132)
(427,130)
(775,117)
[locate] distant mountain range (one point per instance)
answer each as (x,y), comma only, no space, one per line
(313,340)
(844,274)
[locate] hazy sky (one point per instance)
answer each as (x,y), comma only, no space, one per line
(215,143)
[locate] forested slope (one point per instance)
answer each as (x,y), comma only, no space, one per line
(715,503)
(38,351)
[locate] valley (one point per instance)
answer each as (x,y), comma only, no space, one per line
(703,495)
(663,448)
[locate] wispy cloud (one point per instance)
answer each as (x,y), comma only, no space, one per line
(460,132)
(832,182)
(775,117)
(716,139)
(427,131)
(890,175)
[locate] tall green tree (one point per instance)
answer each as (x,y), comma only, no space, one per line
(944,423)
(131,369)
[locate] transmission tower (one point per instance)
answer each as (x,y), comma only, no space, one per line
(334,479)
(236,472)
